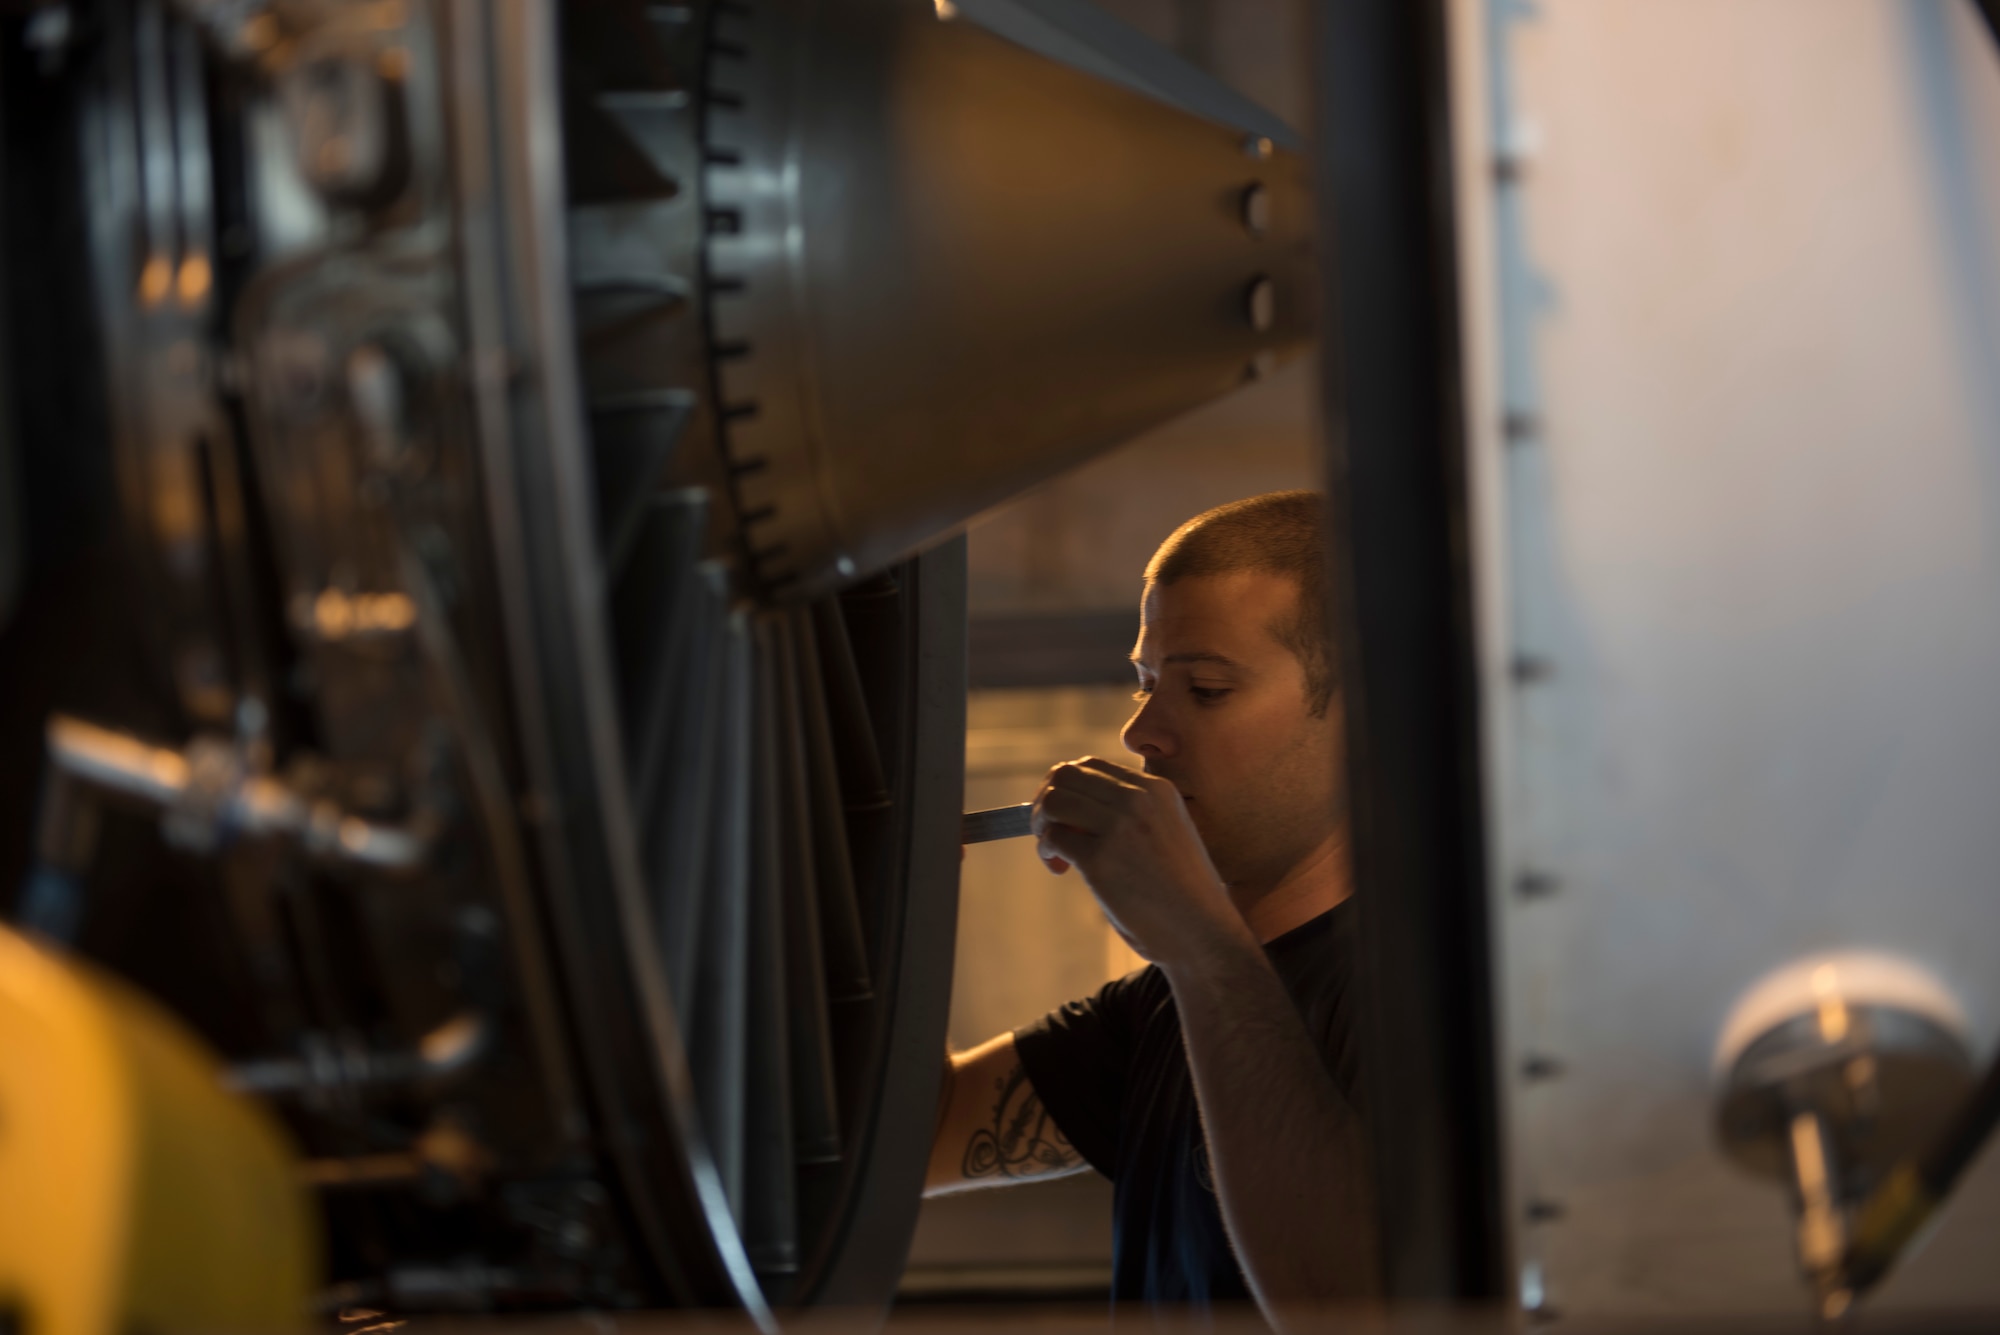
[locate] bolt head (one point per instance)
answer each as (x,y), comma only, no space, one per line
(1256,210)
(1260,305)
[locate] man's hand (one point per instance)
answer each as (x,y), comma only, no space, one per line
(1130,835)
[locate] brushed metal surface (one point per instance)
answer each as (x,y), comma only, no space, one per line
(979,827)
(943,268)
(1732,306)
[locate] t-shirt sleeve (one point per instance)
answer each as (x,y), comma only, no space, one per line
(1078,1057)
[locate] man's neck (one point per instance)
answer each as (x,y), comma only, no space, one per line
(1314,884)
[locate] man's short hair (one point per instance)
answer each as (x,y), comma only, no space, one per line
(1281,533)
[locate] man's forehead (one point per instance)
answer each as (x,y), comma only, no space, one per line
(1211,617)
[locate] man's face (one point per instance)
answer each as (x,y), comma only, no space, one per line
(1223,713)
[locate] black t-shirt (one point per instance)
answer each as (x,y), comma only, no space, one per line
(1111,1071)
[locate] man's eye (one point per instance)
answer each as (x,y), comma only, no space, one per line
(1208,695)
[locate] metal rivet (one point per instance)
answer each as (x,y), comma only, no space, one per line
(1260,303)
(1536,885)
(845,566)
(1541,1068)
(1527,669)
(1257,148)
(1256,209)
(1519,426)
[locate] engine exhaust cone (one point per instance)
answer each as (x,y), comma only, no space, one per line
(943,268)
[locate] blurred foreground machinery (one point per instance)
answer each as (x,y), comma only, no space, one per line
(482,637)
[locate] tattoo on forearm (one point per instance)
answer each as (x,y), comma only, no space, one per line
(1023,1141)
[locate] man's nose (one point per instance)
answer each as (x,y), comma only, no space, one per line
(1147,733)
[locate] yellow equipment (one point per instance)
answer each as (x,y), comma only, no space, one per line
(136,1193)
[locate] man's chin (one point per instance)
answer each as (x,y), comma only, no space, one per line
(1208,840)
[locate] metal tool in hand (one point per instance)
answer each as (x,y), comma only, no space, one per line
(977,827)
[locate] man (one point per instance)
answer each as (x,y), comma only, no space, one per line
(1213,1086)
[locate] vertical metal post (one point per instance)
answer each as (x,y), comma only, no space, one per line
(1989,10)
(1396,481)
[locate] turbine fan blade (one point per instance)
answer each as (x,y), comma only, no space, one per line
(632,439)
(815,1110)
(847,973)
(770,1207)
(607,166)
(729,973)
(652,612)
(679,798)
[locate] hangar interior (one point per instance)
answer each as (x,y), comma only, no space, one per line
(525,527)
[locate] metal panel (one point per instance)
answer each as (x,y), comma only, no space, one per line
(1050,264)
(1086,36)
(1732,304)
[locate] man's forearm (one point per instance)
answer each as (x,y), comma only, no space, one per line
(1290,1162)
(992,1129)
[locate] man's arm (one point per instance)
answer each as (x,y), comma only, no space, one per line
(1289,1160)
(992,1128)
(1291,1171)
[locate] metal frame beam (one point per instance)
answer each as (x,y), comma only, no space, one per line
(1396,481)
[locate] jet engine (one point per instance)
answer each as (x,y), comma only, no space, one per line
(483,625)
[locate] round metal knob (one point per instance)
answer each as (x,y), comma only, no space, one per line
(1260,305)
